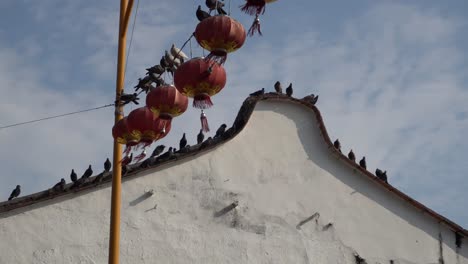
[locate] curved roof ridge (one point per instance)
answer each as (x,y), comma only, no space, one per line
(240,122)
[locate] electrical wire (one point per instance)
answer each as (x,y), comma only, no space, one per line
(131,36)
(57,116)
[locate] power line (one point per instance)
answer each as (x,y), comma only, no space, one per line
(131,36)
(52,117)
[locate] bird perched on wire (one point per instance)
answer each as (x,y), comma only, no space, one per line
(178,53)
(289,90)
(311,99)
(143,84)
(381,175)
(182,142)
(107,165)
(351,156)
(220,131)
(60,186)
(156,69)
(88,172)
(201,15)
(278,87)
(163,63)
(15,193)
(337,145)
(73,176)
(216,4)
(157,151)
(127,98)
(258,93)
(362,163)
(200,137)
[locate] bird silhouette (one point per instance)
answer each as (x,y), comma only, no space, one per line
(200,137)
(216,5)
(182,142)
(73,176)
(278,87)
(178,53)
(88,172)
(311,99)
(220,130)
(107,165)
(351,156)
(381,175)
(157,151)
(156,69)
(258,93)
(168,154)
(163,62)
(128,98)
(289,90)
(60,185)
(362,163)
(337,145)
(201,15)
(15,193)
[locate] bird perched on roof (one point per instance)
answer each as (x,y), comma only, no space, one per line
(127,98)
(200,137)
(201,15)
(73,176)
(60,186)
(168,154)
(127,159)
(15,193)
(289,90)
(362,163)
(182,142)
(337,145)
(107,165)
(88,172)
(351,156)
(278,87)
(157,151)
(216,4)
(220,131)
(381,175)
(311,99)
(178,53)
(258,93)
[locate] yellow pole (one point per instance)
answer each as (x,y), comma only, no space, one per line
(114,238)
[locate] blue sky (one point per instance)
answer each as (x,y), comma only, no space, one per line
(392,78)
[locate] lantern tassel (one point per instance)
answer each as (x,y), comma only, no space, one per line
(220,59)
(202,101)
(253,7)
(126,160)
(142,154)
(127,150)
(204,122)
(255,27)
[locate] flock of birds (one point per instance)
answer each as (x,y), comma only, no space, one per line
(158,155)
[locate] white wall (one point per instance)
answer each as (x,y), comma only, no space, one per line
(280,171)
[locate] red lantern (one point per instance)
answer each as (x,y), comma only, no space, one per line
(220,35)
(166,102)
(200,79)
(255,7)
(123,135)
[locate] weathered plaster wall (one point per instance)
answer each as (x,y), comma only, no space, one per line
(280,172)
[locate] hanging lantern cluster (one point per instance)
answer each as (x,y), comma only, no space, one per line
(255,8)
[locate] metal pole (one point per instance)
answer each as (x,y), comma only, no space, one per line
(114,238)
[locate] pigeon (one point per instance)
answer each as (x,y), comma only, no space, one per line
(258,93)
(176,52)
(381,175)
(157,151)
(220,131)
(157,69)
(73,176)
(127,98)
(278,87)
(182,142)
(107,165)
(311,99)
(351,156)
(15,193)
(60,185)
(163,62)
(216,4)
(127,160)
(337,145)
(169,58)
(201,15)
(200,137)
(143,83)
(362,163)
(99,178)
(169,153)
(87,173)
(289,90)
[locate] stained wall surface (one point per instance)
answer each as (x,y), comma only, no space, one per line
(297,203)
